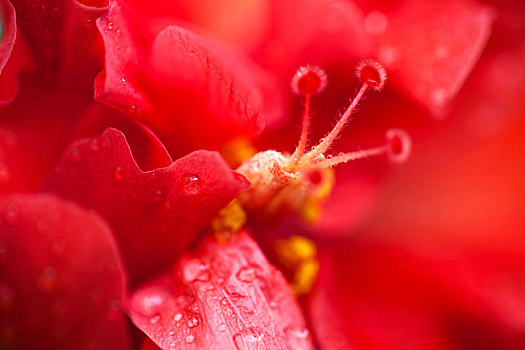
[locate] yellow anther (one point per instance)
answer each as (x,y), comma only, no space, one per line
(327,184)
(305,276)
(237,151)
(310,210)
(228,221)
(299,254)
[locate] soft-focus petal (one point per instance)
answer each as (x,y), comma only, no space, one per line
(179,78)
(61,277)
(224,296)
(432,296)
(430,47)
(33,131)
(63,38)
(154,214)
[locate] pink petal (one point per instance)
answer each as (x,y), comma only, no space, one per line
(178,78)
(154,214)
(223,296)
(61,277)
(430,47)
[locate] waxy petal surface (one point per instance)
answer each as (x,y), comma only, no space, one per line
(430,47)
(61,277)
(223,296)
(154,214)
(180,77)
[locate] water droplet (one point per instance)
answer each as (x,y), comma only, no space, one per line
(93,145)
(194,270)
(177,317)
(47,280)
(11,213)
(110,25)
(249,338)
(158,196)
(155,319)
(222,328)
(4,173)
(123,80)
(88,22)
(148,301)
(171,333)
(190,338)
(297,331)
(192,184)
(117,174)
(193,321)
(248,273)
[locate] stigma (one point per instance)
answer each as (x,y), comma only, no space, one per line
(297,182)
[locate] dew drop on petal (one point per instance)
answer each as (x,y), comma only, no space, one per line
(148,301)
(192,184)
(299,336)
(177,317)
(194,270)
(248,273)
(222,328)
(190,338)
(117,174)
(158,196)
(193,321)
(155,319)
(249,338)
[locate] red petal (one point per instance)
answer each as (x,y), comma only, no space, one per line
(63,38)
(430,47)
(321,32)
(179,78)
(33,132)
(154,214)
(224,296)
(384,296)
(61,277)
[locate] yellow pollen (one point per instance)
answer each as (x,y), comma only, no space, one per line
(228,221)
(299,254)
(237,151)
(305,277)
(310,210)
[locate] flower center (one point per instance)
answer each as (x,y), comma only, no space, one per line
(283,183)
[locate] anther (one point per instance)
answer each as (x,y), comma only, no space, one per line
(371,73)
(399,144)
(309,80)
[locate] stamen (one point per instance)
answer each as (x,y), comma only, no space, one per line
(329,139)
(371,74)
(307,81)
(398,148)
(399,144)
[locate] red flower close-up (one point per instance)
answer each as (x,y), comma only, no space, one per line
(262,174)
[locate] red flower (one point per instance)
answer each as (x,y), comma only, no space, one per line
(97,221)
